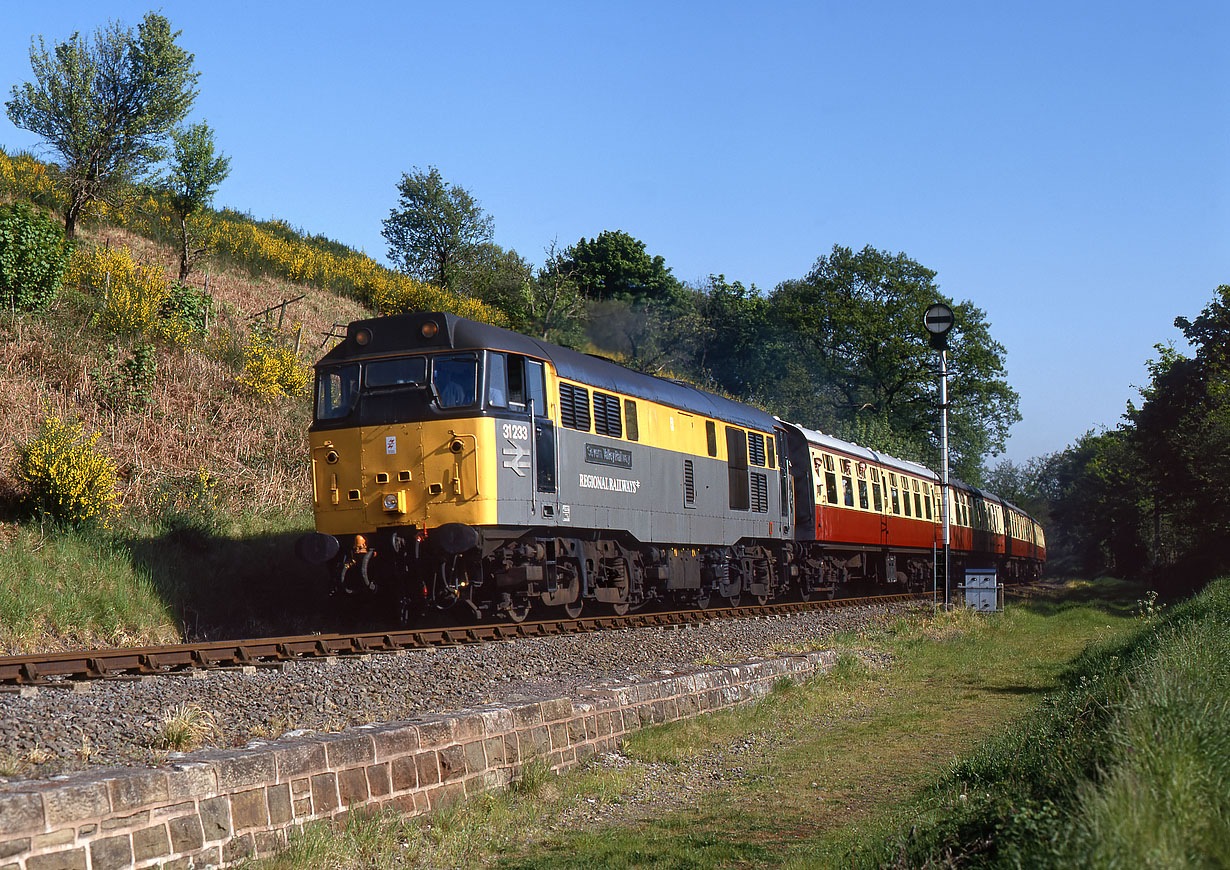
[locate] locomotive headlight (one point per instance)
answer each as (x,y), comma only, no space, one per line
(429,329)
(363,337)
(395,502)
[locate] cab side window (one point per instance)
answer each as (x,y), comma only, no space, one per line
(536,389)
(497,380)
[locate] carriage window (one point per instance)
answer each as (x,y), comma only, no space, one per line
(456,380)
(497,381)
(893,491)
(830,482)
(878,500)
(862,494)
(905,496)
(847,487)
(337,390)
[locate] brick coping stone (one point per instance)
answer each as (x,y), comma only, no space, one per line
(214,807)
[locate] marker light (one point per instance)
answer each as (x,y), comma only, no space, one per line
(363,337)
(429,329)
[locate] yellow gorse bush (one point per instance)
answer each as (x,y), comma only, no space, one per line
(65,477)
(133,294)
(27,178)
(271,372)
(271,247)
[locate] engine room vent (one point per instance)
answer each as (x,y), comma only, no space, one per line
(760,493)
(574,407)
(689,483)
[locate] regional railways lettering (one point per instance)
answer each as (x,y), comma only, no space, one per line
(611,484)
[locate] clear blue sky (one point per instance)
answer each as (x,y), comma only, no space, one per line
(1062,165)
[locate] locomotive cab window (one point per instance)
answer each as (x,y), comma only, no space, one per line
(506,381)
(535,387)
(410,371)
(455,379)
(711,436)
(337,392)
(497,380)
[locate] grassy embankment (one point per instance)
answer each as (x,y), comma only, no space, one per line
(212,473)
(1063,733)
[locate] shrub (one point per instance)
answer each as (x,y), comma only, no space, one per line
(128,384)
(270,371)
(187,307)
(132,293)
(189,509)
(33,257)
(65,478)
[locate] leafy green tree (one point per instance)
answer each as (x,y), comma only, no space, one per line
(743,354)
(658,338)
(1101,516)
(106,106)
(196,171)
(1031,486)
(438,231)
(553,304)
(614,265)
(1182,433)
(853,326)
(33,257)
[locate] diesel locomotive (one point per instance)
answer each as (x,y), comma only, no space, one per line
(458,464)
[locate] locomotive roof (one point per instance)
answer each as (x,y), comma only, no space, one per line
(401,333)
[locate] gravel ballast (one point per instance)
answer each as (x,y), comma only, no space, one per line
(120,722)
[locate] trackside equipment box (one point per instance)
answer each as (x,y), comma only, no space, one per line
(982,591)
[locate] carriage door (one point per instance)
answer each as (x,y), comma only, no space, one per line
(544,439)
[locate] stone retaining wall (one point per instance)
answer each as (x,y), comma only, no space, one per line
(216,806)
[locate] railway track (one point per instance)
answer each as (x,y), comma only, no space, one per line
(66,668)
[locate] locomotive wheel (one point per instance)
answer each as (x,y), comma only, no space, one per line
(702,598)
(518,612)
(574,609)
(620,608)
(805,592)
(762,600)
(735,600)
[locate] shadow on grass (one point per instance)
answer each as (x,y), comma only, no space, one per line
(223,588)
(1118,598)
(1015,690)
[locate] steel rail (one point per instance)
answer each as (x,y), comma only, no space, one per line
(62,668)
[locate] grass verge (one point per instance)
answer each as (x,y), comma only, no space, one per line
(812,776)
(62,588)
(1127,765)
